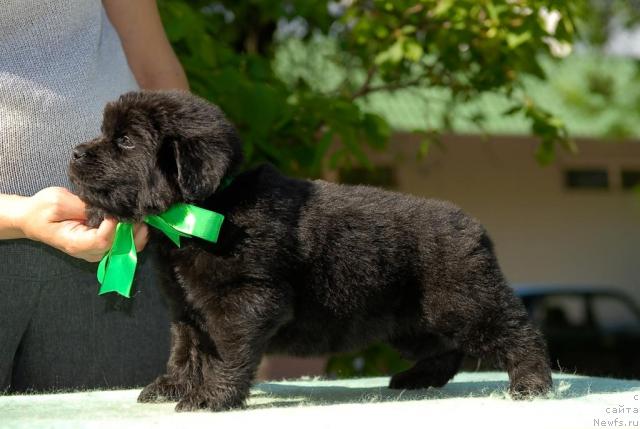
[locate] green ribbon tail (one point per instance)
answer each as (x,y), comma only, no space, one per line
(117,268)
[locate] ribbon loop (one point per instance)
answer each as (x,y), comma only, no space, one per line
(117,268)
(194,221)
(159,223)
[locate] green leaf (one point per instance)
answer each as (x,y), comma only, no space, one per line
(336,158)
(178,19)
(350,142)
(442,7)
(413,51)
(408,29)
(423,148)
(513,110)
(345,112)
(514,40)
(321,149)
(545,152)
(377,130)
(393,55)
(262,106)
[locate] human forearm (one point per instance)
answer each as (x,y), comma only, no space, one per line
(57,217)
(168,75)
(149,53)
(10,208)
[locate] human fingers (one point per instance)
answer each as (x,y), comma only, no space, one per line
(105,232)
(64,205)
(81,241)
(140,236)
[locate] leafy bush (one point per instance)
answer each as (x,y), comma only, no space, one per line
(469,47)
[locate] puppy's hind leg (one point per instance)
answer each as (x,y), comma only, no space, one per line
(518,347)
(438,360)
(485,318)
(521,349)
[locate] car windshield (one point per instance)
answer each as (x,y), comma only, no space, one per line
(561,312)
(613,314)
(606,313)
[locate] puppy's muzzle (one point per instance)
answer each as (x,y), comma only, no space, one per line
(78,164)
(78,153)
(81,153)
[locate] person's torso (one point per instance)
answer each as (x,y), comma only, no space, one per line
(60,62)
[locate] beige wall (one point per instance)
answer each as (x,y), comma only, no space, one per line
(543,232)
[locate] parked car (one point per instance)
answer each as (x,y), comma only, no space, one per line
(589,330)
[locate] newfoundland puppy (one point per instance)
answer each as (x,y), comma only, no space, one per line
(301,267)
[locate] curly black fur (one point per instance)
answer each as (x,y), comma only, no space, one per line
(301,267)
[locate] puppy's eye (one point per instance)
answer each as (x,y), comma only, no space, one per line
(124,143)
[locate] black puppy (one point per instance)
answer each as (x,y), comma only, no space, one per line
(301,267)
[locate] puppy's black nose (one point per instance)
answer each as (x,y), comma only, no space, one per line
(79,153)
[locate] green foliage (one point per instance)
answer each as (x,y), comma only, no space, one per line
(598,15)
(375,360)
(466,46)
(608,90)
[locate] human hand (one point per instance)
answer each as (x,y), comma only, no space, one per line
(57,217)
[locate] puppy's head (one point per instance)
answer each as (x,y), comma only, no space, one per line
(157,148)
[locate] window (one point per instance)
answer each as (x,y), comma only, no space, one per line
(591,178)
(630,178)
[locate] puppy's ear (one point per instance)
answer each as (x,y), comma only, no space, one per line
(199,171)
(200,146)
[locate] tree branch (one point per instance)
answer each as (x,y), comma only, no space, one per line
(366,86)
(393,86)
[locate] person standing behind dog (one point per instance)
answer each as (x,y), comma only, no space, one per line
(60,62)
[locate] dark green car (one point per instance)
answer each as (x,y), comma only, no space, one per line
(589,330)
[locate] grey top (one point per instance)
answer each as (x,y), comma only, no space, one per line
(60,62)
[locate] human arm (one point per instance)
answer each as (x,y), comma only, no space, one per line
(148,51)
(56,217)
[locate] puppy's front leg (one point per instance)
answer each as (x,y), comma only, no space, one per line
(185,361)
(240,325)
(182,369)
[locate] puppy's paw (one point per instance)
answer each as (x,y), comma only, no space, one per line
(410,380)
(162,389)
(204,399)
(530,387)
(95,216)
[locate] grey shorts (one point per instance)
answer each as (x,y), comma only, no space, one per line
(56,333)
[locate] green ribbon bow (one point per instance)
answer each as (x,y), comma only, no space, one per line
(118,266)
